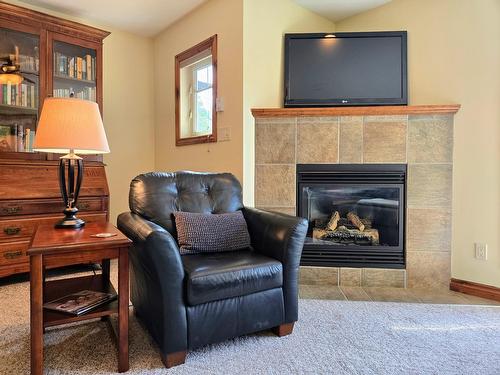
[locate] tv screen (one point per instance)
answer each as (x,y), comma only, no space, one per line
(345,69)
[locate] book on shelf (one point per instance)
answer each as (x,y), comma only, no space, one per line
(81,302)
(29,139)
(84,68)
(20,138)
(79,68)
(72,67)
(88,59)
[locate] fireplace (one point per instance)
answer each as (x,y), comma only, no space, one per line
(356,214)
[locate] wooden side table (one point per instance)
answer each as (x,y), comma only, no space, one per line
(51,247)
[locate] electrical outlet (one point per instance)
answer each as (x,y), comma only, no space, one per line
(480,251)
(223,134)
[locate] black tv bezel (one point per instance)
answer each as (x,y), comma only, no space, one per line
(337,102)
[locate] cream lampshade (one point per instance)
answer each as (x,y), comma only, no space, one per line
(72,126)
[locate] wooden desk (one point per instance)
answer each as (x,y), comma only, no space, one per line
(52,247)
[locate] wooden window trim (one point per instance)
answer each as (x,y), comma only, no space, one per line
(210,43)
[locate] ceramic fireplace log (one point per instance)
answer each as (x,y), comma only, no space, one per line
(334,220)
(355,220)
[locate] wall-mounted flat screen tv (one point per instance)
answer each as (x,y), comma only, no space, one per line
(345,69)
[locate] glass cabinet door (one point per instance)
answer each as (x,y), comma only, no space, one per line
(74,71)
(19,89)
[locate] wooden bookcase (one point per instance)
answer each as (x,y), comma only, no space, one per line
(58,58)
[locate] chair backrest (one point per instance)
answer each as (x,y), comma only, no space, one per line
(156,196)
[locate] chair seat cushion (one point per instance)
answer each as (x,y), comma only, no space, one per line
(216,276)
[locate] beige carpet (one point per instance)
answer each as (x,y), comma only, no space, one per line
(332,337)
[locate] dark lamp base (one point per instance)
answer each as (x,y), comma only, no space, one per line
(70,220)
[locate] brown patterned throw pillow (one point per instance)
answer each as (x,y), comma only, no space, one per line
(208,233)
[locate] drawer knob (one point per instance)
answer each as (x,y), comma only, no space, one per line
(11,231)
(12,210)
(84,206)
(13,254)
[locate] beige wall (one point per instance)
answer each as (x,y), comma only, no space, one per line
(264,24)
(224,18)
(128,108)
(454,57)
(128,113)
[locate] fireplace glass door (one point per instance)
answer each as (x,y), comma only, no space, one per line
(353,214)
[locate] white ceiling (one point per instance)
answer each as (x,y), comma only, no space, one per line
(142,17)
(148,17)
(337,10)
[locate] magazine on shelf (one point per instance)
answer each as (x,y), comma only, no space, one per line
(79,303)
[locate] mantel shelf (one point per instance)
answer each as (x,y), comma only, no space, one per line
(356,111)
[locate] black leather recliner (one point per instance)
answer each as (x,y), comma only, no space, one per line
(187,301)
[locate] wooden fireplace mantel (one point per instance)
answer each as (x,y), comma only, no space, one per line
(357,111)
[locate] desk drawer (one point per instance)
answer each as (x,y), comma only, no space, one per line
(13,229)
(14,253)
(47,206)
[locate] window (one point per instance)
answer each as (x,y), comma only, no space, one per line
(196,91)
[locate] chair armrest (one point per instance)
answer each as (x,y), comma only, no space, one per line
(136,227)
(281,237)
(157,276)
(277,235)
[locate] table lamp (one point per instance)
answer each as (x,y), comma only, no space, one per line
(72,126)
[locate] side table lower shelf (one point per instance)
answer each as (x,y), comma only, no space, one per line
(55,289)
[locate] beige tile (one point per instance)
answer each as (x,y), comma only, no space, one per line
(391,294)
(283,210)
(384,141)
(355,293)
(473,300)
(441,296)
(351,139)
(317,119)
(381,277)
(430,185)
(428,269)
(275,185)
(430,139)
(319,275)
(385,118)
(429,229)
(350,276)
(321,292)
(275,142)
(317,140)
(274,120)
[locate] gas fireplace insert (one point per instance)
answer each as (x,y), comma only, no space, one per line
(356,214)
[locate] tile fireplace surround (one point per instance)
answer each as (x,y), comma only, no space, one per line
(421,136)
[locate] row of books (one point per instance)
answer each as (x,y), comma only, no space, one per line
(75,67)
(27,63)
(16,138)
(87,93)
(23,95)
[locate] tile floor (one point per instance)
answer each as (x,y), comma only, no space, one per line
(350,293)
